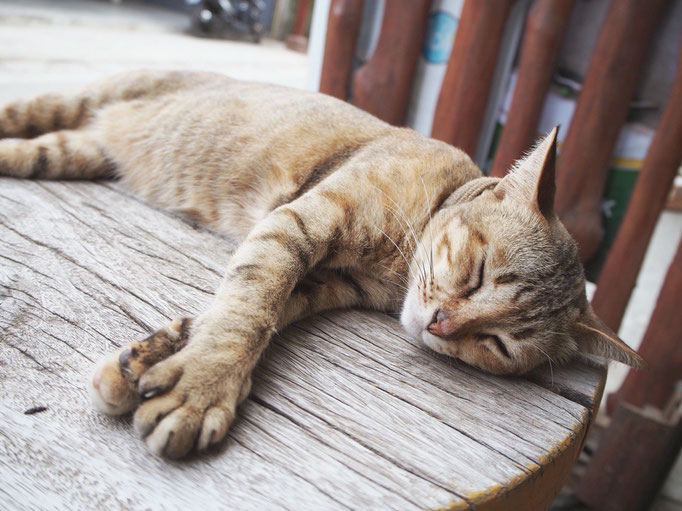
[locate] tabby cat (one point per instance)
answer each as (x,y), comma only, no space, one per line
(334,208)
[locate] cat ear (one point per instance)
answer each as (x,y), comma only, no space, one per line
(531,181)
(594,337)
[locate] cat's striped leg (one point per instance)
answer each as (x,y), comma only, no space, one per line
(326,289)
(43,114)
(60,155)
(191,397)
(113,384)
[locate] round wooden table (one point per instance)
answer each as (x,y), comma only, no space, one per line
(347,412)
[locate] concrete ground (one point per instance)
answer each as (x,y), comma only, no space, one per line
(47,46)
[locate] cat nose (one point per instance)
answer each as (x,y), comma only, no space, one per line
(437,325)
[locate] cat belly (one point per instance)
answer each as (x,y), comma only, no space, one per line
(227,157)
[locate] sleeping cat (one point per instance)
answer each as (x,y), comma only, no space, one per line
(334,208)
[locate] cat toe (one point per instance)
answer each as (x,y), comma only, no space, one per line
(110,392)
(152,412)
(217,420)
(188,402)
(175,435)
(159,379)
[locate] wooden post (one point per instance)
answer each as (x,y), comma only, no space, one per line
(619,274)
(301,16)
(466,86)
(296,40)
(545,28)
(382,86)
(634,456)
(339,47)
(602,107)
(661,347)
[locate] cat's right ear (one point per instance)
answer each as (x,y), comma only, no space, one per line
(594,337)
(531,181)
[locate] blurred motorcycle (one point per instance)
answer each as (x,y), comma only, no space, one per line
(234,17)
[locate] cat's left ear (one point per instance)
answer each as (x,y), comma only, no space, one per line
(594,337)
(531,181)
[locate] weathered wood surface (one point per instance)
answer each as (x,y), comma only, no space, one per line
(346,411)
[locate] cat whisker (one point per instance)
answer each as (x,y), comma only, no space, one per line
(549,359)
(388,281)
(407,222)
(401,277)
(409,266)
(428,203)
(412,247)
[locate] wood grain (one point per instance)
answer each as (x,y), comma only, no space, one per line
(346,411)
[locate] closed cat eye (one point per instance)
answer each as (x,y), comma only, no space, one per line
(498,343)
(479,281)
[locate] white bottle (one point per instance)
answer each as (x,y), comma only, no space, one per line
(433,61)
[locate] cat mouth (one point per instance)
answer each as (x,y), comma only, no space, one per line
(439,344)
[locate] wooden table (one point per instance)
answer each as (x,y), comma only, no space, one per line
(347,412)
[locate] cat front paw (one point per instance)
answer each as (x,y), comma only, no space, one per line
(113,383)
(110,391)
(189,401)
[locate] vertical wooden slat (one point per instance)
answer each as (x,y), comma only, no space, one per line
(619,274)
(661,347)
(602,107)
(342,34)
(301,16)
(466,86)
(382,85)
(545,28)
(634,456)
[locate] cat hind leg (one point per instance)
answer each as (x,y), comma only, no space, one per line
(43,114)
(65,154)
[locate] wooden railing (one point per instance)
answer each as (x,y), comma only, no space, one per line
(383,84)
(462,102)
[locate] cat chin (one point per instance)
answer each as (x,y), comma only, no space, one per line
(437,344)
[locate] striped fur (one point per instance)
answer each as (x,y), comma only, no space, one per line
(334,208)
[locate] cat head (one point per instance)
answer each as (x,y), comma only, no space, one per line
(498,283)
